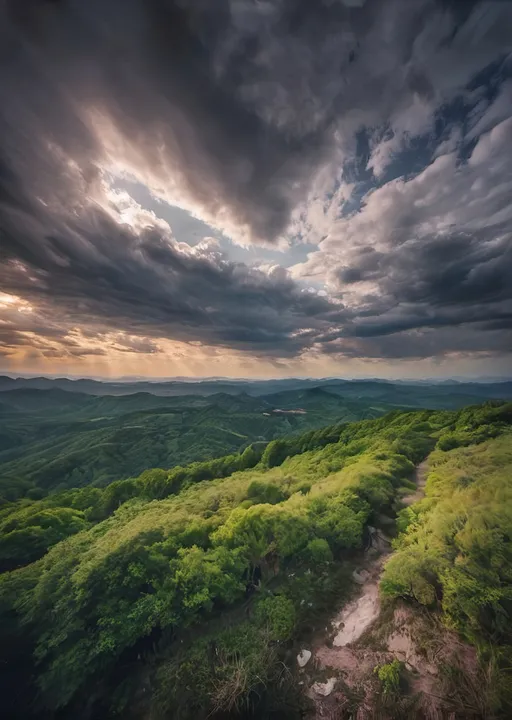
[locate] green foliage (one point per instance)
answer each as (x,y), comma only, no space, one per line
(317,552)
(448,441)
(27,533)
(153,566)
(264,533)
(389,676)
(52,440)
(336,523)
(261,492)
(225,671)
(455,545)
(473,426)
(275,453)
(412,574)
(454,552)
(250,457)
(277,614)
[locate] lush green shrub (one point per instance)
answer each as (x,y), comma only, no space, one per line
(26,534)
(455,545)
(277,614)
(449,441)
(225,672)
(389,676)
(317,552)
(262,492)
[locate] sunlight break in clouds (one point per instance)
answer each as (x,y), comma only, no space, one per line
(363,150)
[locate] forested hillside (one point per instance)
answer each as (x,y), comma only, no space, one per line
(454,552)
(60,434)
(182,593)
(53,439)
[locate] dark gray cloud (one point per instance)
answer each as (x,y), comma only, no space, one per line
(432,342)
(424,265)
(191,82)
(445,293)
(91,269)
(442,275)
(235,106)
(242,100)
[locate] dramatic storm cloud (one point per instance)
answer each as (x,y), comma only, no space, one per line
(285,180)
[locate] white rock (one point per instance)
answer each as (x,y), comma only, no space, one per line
(361,577)
(325,688)
(303,657)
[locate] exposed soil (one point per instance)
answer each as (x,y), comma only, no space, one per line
(357,615)
(364,635)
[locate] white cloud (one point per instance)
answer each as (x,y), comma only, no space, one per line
(413,120)
(498,111)
(450,144)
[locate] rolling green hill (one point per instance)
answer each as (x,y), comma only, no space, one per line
(52,438)
(182,593)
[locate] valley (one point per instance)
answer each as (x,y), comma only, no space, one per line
(59,434)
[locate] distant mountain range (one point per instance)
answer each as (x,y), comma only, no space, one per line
(485,388)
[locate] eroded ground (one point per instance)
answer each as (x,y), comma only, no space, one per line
(340,677)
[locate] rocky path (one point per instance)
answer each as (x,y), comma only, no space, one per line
(342,659)
(340,665)
(355,617)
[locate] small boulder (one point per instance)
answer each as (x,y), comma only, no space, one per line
(325,688)
(360,577)
(303,657)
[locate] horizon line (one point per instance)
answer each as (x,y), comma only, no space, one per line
(127,379)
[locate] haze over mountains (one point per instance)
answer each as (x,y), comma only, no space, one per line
(209,386)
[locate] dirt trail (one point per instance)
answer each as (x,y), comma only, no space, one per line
(361,638)
(355,617)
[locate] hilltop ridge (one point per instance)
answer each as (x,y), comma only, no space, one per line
(134,586)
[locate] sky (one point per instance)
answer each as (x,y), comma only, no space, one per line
(256,188)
